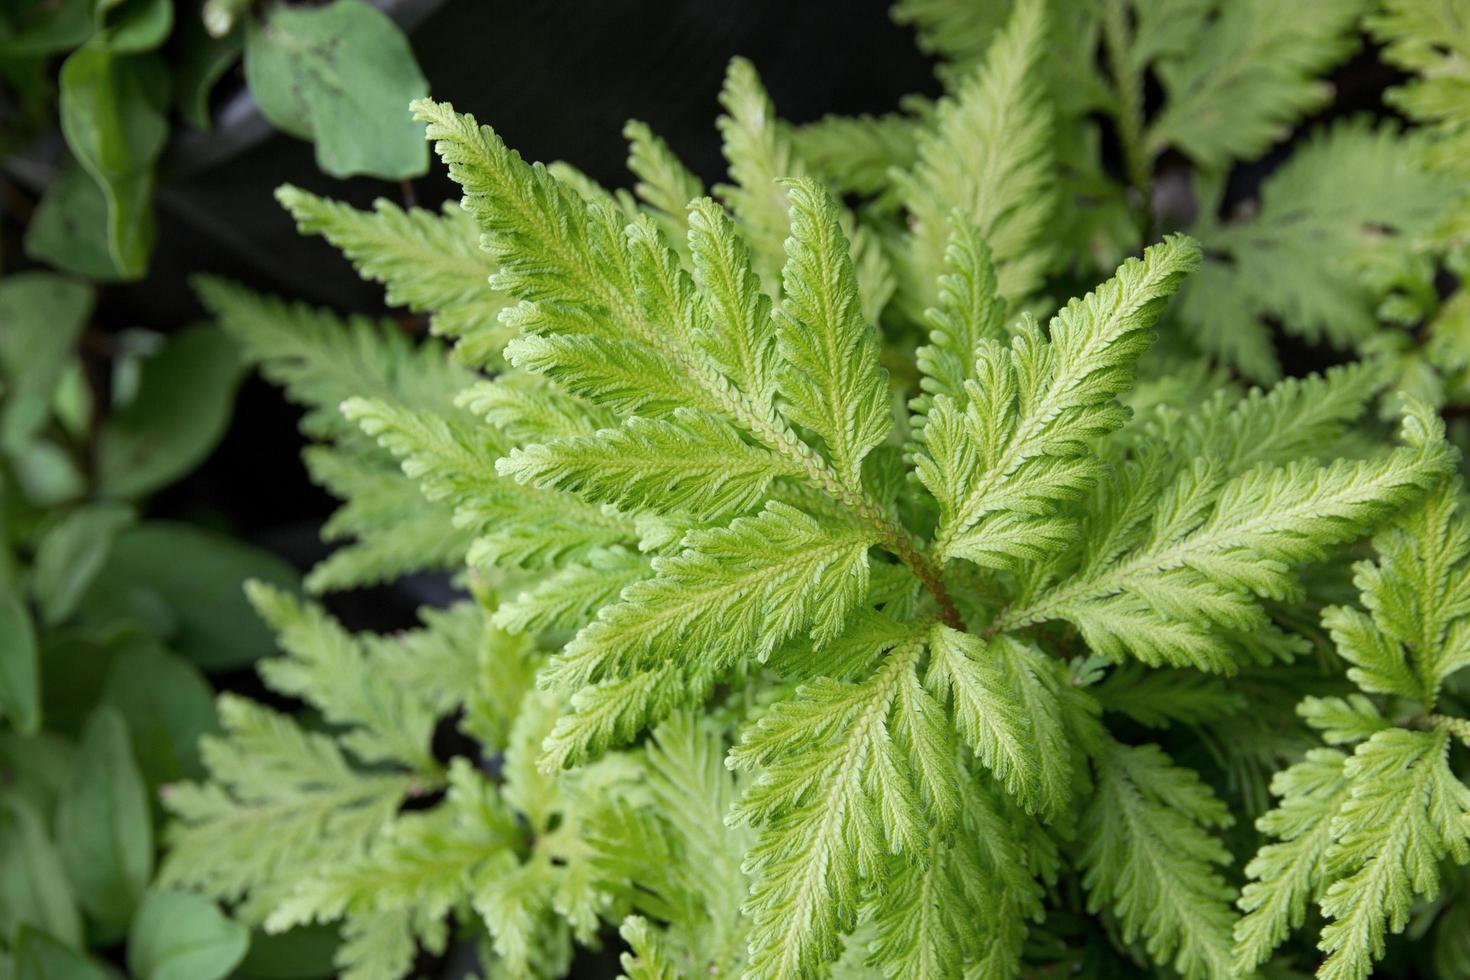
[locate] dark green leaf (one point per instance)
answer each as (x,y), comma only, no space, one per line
(183,936)
(203,59)
(71,554)
(343,76)
(180,412)
(37,768)
(45,28)
(42,315)
(40,957)
(103,826)
(168,705)
(133,26)
(69,228)
(198,577)
(20,681)
(33,885)
(112,113)
(303,953)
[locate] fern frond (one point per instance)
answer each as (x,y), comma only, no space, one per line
(322,360)
(987,151)
(1148,854)
(1406,811)
(512,524)
(1199,566)
(690,463)
(1006,708)
(430,263)
(1324,218)
(829,354)
(1234,96)
(1284,877)
(282,802)
(998,464)
(664,183)
(328,668)
(397,531)
(833,800)
(733,594)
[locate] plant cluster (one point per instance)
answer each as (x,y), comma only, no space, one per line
(839,596)
(336,74)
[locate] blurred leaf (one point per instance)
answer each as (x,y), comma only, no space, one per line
(47,475)
(183,936)
(168,705)
(198,576)
(203,59)
(20,682)
(302,953)
(33,885)
(103,826)
(133,26)
(28,28)
(69,228)
(180,413)
(343,76)
(78,659)
(37,768)
(71,554)
(42,314)
(40,957)
(112,113)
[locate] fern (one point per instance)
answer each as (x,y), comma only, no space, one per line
(845,603)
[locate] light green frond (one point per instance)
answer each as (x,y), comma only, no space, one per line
(741,334)
(455,462)
(829,353)
(999,464)
(968,313)
(423,863)
(646,958)
(664,183)
(451,658)
(833,799)
(621,377)
(396,531)
(691,463)
(1295,418)
(1234,96)
(529,408)
(430,263)
(1419,589)
(1343,721)
(1355,196)
(1285,876)
(570,599)
(987,151)
(855,154)
(322,360)
(733,595)
(1164,600)
(326,666)
(282,803)
(760,153)
(1148,855)
(614,712)
(1006,708)
(1405,813)
(551,246)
